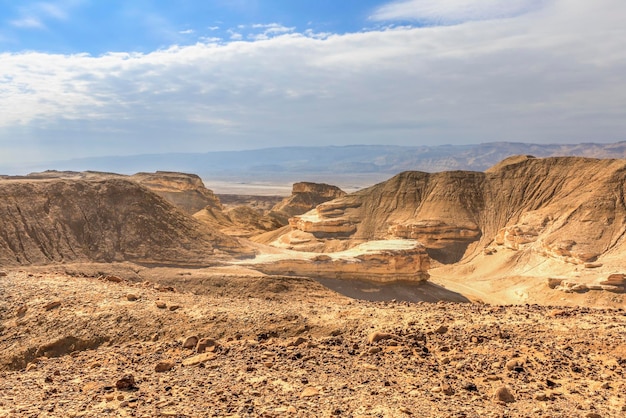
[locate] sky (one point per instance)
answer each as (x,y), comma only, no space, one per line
(81,78)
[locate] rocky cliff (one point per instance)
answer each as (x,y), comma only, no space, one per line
(568,208)
(58,220)
(186,191)
(305,196)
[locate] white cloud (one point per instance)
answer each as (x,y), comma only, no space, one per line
(30,22)
(186,32)
(454,11)
(556,75)
(35,15)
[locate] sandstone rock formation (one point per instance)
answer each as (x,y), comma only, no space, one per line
(572,209)
(378,261)
(245,221)
(57,220)
(186,191)
(305,196)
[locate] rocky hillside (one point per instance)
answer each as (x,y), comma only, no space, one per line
(185,191)
(58,220)
(569,208)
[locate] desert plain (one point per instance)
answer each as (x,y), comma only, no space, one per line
(454,294)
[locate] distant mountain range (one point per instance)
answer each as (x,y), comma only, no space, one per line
(329,162)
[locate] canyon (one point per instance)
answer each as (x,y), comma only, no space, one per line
(456,293)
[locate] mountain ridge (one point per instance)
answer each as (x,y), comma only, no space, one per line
(305,163)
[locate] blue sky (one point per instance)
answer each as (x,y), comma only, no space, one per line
(85,78)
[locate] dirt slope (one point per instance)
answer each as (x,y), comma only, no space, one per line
(56,220)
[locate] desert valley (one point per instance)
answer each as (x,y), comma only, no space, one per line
(492,293)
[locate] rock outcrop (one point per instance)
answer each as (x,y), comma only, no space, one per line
(379,261)
(57,220)
(568,208)
(305,196)
(186,191)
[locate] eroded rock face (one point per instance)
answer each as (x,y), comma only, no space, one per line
(379,261)
(567,208)
(58,220)
(306,196)
(186,191)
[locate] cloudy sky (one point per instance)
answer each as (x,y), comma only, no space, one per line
(89,77)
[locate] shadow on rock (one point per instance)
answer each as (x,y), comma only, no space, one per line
(400,291)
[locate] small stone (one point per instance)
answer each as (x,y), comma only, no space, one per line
(447,389)
(200,358)
(605,385)
(52,305)
(292,410)
(164,366)
(541,396)
(503,394)
(113,279)
(378,336)
(309,392)
(441,330)
(21,311)
(131,297)
(126,383)
(516,365)
(160,305)
(3,273)
(206,344)
(374,350)
(593,415)
(174,307)
(470,387)
(191,342)
(296,342)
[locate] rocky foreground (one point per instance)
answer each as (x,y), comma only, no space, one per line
(109,340)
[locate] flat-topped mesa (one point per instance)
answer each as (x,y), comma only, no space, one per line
(186,191)
(306,196)
(379,261)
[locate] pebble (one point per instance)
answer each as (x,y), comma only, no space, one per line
(131,297)
(191,342)
(516,365)
(164,366)
(126,383)
(200,358)
(378,336)
(160,305)
(309,392)
(441,330)
(503,394)
(206,344)
(52,305)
